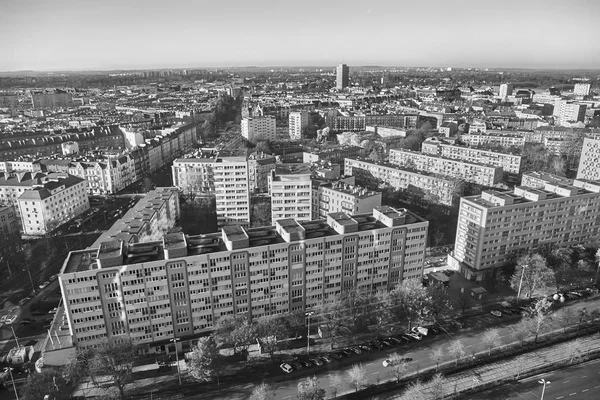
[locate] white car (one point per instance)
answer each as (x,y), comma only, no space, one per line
(10,319)
(496,313)
(414,335)
(53,311)
(287,368)
(43,285)
(3,318)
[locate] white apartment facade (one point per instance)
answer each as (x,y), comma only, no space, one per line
(485,175)
(342,197)
(509,162)
(298,121)
(225,177)
(439,189)
(259,128)
(291,192)
(152,292)
(495,224)
(589,163)
(565,111)
(493,139)
(581,89)
(51,201)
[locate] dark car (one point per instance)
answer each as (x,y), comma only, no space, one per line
(366,347)
(403,338)
(326,359)
(393,340)
(336,355)
(376,344)
(386,343)
(316,361)
(347,352)
(296,365)
(304,363)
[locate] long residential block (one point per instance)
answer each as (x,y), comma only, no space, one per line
(495,224)
(509,162)
(485,175)
(181,285)
(439,189)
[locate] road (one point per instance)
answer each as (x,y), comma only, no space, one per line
(580,382)
(286,386)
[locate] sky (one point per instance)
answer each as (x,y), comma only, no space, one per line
(51,35)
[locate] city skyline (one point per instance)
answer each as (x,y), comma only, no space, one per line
(147,35)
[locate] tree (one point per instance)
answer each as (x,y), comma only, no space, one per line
(436,386)
(535,274)
(408,301)
(309,389)
(235,330)
(414,391)
(438,297)
(147,185)
(398,366)
(359,306)
(437,354)
(539,319)
(270,329)
(582,315)
(565,317)
(332,315)
(491,339)
(380,314)
(456,350)
(335,382)
(78,368)
(357,376)
(295,323)
(261,214)
(111,364)
(201,365)
(521,331)
(261,392)
(573,350)
(48,382)
(191,185)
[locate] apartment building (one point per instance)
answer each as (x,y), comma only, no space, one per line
(495,224)
(566,111)
(509,162)
(589,163)
(9,229)
(259,170)
(436,188)
(506,89)
(485,175)
(181,285)
(342,76)
(51,100)
(259,128)
(493,139)
(339,196)
(581,89)
(290,188)
(51,201)
(225,177)
(298,121)
(148,220)
(14,184)
(538,180)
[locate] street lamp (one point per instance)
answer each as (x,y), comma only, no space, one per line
(8,265)
(521,281)
(175,340)
(308,314)
(543,382)
(30,278)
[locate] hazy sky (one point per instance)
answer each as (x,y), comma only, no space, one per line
(113,34)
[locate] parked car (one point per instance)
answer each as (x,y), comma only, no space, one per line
(10,319)
(366,348)
(44,285)
(347,352)
(393,340)
(287,368)
(415,336)
(326,359)
(336,355)
(388,363)
(53,311)
(53,278)
(376,344)
(3,318)
(403,338)
(304,363)
(356,349)
(386,343)
(316,361)
(496,313)
(24,300)
(296,365)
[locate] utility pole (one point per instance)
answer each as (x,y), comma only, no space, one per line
(15,335)
(30,278)
(13,382)
(521,281)
(308,314)
(175,340)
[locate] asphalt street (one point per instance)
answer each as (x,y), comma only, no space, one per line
(420,352)
(579,382)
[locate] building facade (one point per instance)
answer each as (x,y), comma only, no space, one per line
(509,162)
(581,89)
(495,224)
(342,76)
(342,197)
(506,89)
(290,187)
(259,170)
(51,201)
(437,189)
(589,163)
(298,121)
(493,139)
(485,175)
(181,285)
(259,128)
(565,111)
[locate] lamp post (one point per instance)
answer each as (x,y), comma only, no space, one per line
(175,340)
(7,266)
(30,278)
(521,281)
(13,382)
(308,314)
(15,335)
(543,382)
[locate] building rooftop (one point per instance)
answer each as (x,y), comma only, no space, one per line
(84,260)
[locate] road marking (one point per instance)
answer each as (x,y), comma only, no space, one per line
(375,373)
(369,364)
(584,390)
(566,381)
(596,387)
(559,397)
(572,394)
(585,376)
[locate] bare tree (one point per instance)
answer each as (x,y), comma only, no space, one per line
(532,273)
(437,354)
(521,331)
(414,391)
(457,350)
(398,365)
(573,350)
(565,317)
(491,339)
(436,386)
(541,315)
(309,389)
(262,392)
(335,382)
(201,366)
(357,376)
